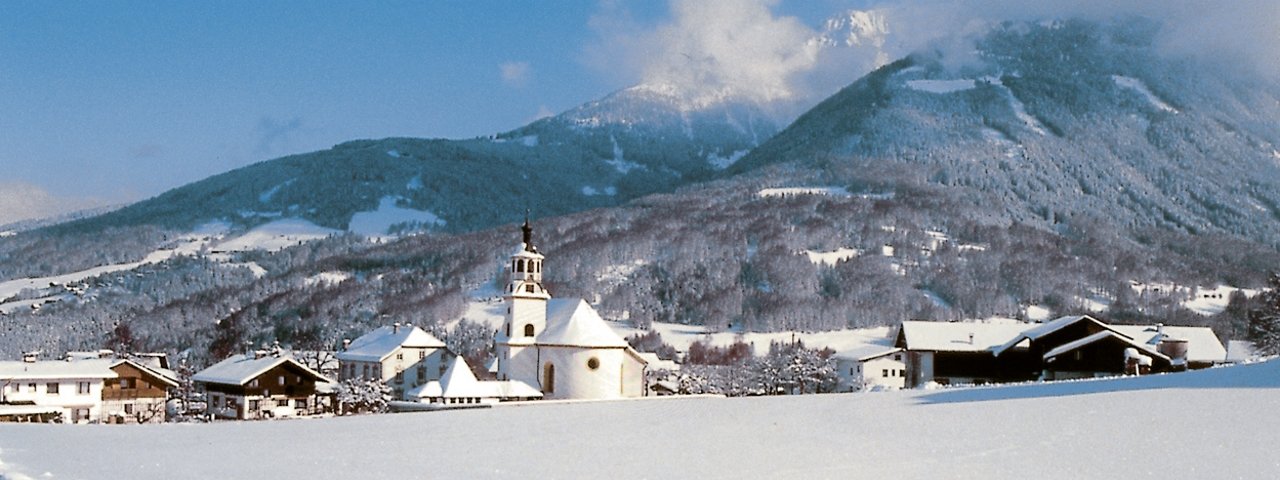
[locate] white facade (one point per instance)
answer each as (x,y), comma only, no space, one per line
(73,387)
(403,357)
(871,368)
(562,347)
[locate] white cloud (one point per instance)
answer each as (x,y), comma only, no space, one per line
(709,50)
(712,50)
(515,74)
(23,201)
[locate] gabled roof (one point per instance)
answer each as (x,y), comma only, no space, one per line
(459,382)
(240,369)
(868,352)
(955,336)
(572,322)
(57,370)
(385,340)
(1039,331)
(172,382)
(1105,334)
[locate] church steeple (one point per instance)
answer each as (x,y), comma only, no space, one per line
(527,230)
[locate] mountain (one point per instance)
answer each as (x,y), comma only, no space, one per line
(1066,167)
(632,143)
(1059,124)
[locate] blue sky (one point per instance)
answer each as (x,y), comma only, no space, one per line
(112,101)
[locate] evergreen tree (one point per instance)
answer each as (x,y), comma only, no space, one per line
(1264,322)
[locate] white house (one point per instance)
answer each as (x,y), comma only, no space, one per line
(73,387)
(402,356)
(871,366)
(459,386)
(562,347)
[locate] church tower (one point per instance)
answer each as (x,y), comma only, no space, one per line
(526,317)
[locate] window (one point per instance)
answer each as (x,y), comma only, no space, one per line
(17,387)
(528,287)
(82,388)
(593,363)
(399,355)
(126,383)
(884,373)
(422,374)
(51,388)
(898,357)
(283,402)
(366,372)
(253,383)
(280,380)
(128,409)
(528,330)
(902,373)
(423,353)
(549,378)
(253,405)
(850,371)
(300,403)
(31,387)
(399,377)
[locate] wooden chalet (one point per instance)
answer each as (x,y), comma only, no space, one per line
(137,394)
(262,384)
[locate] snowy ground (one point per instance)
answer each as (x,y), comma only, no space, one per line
(1219,423)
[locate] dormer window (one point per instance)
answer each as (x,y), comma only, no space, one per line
(528,287)
(528,330)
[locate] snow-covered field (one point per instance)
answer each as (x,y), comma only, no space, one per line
(1218,423)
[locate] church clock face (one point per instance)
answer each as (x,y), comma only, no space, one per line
(593,363)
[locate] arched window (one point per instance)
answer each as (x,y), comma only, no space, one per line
(549,378)
(520,266)
(528,330)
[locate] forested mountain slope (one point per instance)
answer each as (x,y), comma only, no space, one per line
(1070,168)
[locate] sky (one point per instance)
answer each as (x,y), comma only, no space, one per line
(116,101)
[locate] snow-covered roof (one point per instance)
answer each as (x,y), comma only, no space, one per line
(1070,346)
(1202,344)
(56,370)
(240,369)
(459,382)
(868,352)
(385,340)
(955,336)
(573,322)
(523,252)
(1046,328)
(656,363)
(169,377)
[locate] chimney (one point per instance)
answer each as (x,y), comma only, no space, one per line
(30,357)
(970,338)
(275,349)
(346,343)
(1159,332)
(395,327)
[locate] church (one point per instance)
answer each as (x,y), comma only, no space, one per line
(560,346)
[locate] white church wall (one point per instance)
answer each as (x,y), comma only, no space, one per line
(574,379)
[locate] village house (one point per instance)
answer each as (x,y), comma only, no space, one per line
(137,394)
(140,391)
(561,346)
(459,386)
(401,356)
(32,389)
(871,367)
(260,384)
(1078,346)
